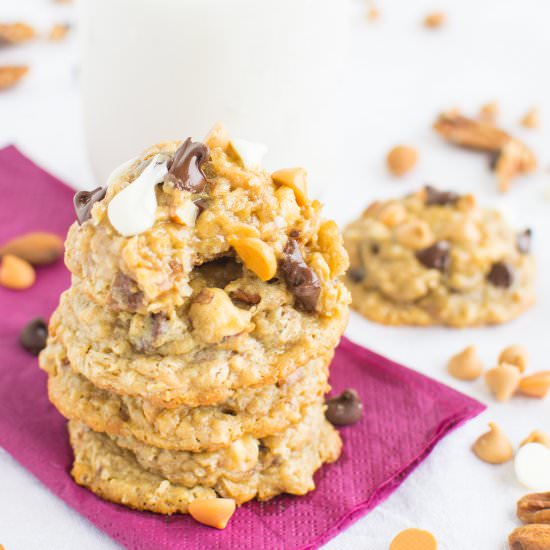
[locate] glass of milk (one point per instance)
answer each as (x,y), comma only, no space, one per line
(271,70)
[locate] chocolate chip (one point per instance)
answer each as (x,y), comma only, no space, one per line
(125,293)
(523,241)
(436,256)
(294,234)
(375,249)
(202,205)
(440,198)
(300,279)
(34,335)
(344,409)
(357,274)
(494,157)
(185,169)
(84,200)
(244,297)
(501,275)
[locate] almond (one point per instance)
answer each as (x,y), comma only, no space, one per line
(37,248)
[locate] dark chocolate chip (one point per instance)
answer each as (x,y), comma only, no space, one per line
(494,157)
(185,169)
(523,241)
(244,297)
(501,275)
(202,205)
(436,256)
(374,249)
(294,234)
(84,200)
(300,279)
(441,198)
(344,409)
(357,274)
(125,294)
(34,335)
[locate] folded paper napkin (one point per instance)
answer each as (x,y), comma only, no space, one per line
(405,413)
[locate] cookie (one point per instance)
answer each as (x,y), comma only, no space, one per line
(436,258)
(116,473)
(256,412)
(183,358)
(150,271)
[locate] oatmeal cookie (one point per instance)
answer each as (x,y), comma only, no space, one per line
(436,258)
(235,211)
(256,412)
(246,333)
(124,471)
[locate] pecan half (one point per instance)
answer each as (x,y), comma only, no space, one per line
(530,537)
(10,75)
(534,508)
(512,157)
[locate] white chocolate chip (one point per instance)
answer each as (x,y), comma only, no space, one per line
(186,213)
(251,154)
(119,170)
(133,210)
(532,466)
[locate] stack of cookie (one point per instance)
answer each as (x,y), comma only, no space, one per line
(191,352)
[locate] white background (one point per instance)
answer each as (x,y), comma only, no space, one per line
(403,76)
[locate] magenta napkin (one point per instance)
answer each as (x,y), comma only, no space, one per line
(405,413)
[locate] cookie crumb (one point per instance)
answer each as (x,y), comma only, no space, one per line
(401,159)
(435,20)
(531,119)
(489,112)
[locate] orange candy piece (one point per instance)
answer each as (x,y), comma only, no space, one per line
(16,273)
(215,512)
(414,539)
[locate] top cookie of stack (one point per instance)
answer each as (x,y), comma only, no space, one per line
(235,284)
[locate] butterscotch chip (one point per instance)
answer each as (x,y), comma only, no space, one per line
(493,447)
(535,385)
(58,32)
(531,119)
(16,273)
(514,355)
(10,75)
(435,20)
(537,436)
(401,159)
(215,512)
(15,33)
(465,365)
(295,178)
(414,539)
(373,14)
(257,255)
(489,112)
(503,381)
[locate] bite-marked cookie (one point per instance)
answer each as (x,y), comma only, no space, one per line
(436,258)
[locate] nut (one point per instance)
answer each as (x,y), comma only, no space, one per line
(36,248)
(537,436)
(256,255)
(410,539)
(530,537)
(465,365)
(10,75)
(401,159)
(16,273)
(503,381)
(434,20)
(58,32)
(534,508)
(493,447)
(15,33)
(489,112)
(295,178)
(214,316)
(531,119)
(415,234)
(185,214)
(215,512)
(391,214)
(514,355)
(535,385)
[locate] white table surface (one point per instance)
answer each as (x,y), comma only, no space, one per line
(404,74)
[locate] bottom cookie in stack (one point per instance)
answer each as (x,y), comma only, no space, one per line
(124,470)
